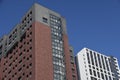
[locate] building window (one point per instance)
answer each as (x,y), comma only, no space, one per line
(20,61)
(73,70)
(98,74)
(30,12)
(99,60)
(106,63)
(20,54)
(88,58)
(19,69)
(24,65)
(9,72)
(102,76)
(23,74)
(45,20)
(93,78)
(95,59)
(10,57)
(90,71)
(110,78)
(20,78)
(103,61)
(74,78)
(92,59)
(30,64)
(30,33)
(30,73)
(94,73)
(30,48)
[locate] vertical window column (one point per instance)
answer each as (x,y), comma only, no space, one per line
(57,48)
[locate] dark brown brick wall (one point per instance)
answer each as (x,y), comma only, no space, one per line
(41,60)
(69,65)
(43,52)
(67,58)
(17,61)
(75,71)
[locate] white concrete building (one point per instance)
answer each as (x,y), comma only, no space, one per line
(92,65)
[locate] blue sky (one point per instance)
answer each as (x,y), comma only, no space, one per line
(90,23)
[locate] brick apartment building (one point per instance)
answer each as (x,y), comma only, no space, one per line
(37,48)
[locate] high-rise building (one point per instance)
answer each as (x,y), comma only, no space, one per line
(92,65)
(37,48)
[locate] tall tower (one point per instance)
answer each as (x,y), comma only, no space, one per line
(92,65)
(37,48)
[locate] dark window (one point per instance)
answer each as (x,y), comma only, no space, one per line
(28,15)
(30,48)
(30,19)
(106,77)
(30,33)
(74,78)
(93,78)
(110,78)
(20,54)
(9,72)
(92,58)
(106,63)
(95,59)
(12,75)
(45,20)
(27,67)
(98,74)
(27,58)
(30,26)
(24,65)
(20,61)
(90,72)
(31,56)
(23,74)
(102,76)
(30,64)
(20,78)
(88,58)
(10,57)
(20,69)
(99,60)
(10,64)
(73,70)
(27,76)
(30,40)
(30,12)
(94,73)
(103,61)
(30,73)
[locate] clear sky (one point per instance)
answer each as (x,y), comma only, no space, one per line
(94,24)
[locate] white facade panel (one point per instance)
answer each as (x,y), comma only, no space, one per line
(92,65)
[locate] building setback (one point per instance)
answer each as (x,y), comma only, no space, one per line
(92,65)
(37,48)
(72,60)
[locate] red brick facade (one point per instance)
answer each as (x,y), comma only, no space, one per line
(31,57)
(43,52)
(18,64)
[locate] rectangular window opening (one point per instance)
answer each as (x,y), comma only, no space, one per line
(45,20)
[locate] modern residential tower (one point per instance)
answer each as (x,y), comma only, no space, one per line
(92,65)
(37,48)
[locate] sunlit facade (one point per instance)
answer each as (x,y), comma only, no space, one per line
(92,65)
